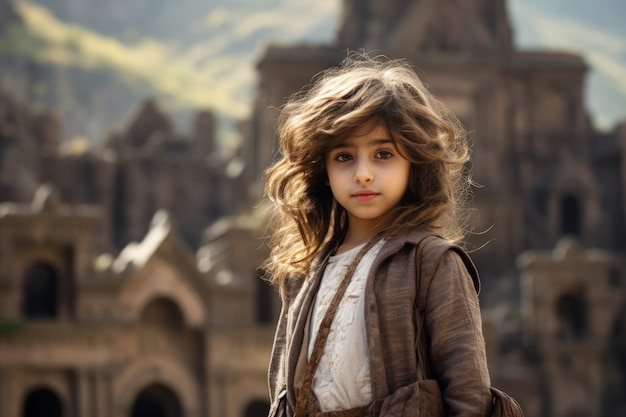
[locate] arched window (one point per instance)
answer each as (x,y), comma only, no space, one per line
(571,215)
(571,310)
(42,402)
(157,400)
(163,312)
(40,292)
(257,408)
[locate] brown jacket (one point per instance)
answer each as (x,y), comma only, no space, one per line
(452,321)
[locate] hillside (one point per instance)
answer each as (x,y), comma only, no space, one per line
(94,62)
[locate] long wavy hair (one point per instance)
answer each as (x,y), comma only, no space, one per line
(362,91)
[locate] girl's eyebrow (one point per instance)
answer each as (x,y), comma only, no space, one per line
(381,141)
(371,142)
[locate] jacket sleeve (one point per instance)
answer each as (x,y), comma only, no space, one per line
(276,372)
(456,344)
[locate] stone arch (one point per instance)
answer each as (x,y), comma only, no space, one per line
(163,312)
(42,401)
(571,215)
(156,280)
(156,370)
(156,400)
(40,291)
(572,315)
(256,408)
(574,200)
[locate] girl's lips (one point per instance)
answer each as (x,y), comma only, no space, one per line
(364,195)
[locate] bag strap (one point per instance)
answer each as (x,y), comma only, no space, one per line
(307,404)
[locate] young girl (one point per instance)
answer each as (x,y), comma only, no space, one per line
(368,185)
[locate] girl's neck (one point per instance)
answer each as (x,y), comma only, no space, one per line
(353,240)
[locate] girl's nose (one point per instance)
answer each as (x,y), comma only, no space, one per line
(363,173)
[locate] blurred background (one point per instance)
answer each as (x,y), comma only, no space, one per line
(133,140)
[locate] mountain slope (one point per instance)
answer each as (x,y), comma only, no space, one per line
(207,63)
(94,61)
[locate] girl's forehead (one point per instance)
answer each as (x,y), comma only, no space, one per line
(370,134)
(371,130)
(369,127)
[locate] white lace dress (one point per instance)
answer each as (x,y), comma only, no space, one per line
(343,380)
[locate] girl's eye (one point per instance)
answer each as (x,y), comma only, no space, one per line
(343,157)
(383,154)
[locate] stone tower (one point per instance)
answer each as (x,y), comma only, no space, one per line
(570,305)
(524,110)
(48,244)
(407,27)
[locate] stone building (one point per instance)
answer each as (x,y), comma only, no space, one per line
(143,333)
(534,150)
(130,285)
(141,167)
(545,175)
(104,308)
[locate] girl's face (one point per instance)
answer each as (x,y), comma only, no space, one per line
(367,176)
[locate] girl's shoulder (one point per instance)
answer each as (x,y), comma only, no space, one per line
(430,248)
(417,238)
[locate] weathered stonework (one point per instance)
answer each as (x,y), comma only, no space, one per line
(148,249)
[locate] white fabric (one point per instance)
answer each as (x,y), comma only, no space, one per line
(343,380)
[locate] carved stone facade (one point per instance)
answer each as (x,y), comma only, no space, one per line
(534,150)
(143,333)
(108,309)
(570,316)
(545,174)
(104,308)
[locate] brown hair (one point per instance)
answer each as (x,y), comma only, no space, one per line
(362,90)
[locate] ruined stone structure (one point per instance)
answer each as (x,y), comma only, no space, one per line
(545,175)
(535,153)
(143,333)
(570,316)
(105,310)
(141,168)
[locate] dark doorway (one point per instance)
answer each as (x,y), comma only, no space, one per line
(157,400)
(40,292)
(163,312)
(571,309)
(571,215)
(42,402)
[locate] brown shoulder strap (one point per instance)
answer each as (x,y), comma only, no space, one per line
(307,404)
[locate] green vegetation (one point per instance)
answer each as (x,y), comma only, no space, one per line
(192,78)
(8,328)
